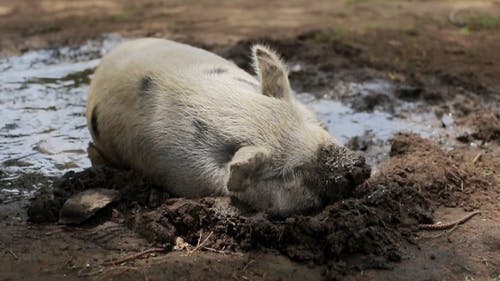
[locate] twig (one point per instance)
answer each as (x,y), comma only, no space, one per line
(134,256)
(246,266)
(478,156)
(445,226)
(199,238)
(222,251)
(13,254)
(214,250)
(199,245)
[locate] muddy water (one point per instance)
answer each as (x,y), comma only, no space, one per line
(43,127)
(42,99)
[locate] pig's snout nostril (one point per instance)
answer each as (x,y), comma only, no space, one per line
(359,172)
(358,175)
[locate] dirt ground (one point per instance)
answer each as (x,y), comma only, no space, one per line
(444,51)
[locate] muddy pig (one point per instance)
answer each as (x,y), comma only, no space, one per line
(200,126)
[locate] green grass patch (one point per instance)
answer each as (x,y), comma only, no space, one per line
(121,17)
(478,22)
(48,29)
(354,2)
(330,35)
(465,31)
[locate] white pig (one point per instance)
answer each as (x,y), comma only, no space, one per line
(198,125)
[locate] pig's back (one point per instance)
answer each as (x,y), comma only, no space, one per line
(141,101)
(135,67)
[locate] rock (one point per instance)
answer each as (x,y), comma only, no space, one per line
(85,204)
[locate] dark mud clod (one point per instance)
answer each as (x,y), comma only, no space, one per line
(85,204)
(340,171)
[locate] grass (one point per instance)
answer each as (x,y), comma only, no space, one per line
(121,17)
(465,31)
(354,2)
(330,35)
(166,13)
(483,21)
(48,29)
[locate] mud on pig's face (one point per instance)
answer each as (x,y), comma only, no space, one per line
(333,174)
(337,172)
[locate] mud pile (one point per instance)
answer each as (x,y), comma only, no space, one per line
(133,188)
(420,165)
(363,231)
(486,127)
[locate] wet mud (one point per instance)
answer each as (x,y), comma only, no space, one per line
(370,226)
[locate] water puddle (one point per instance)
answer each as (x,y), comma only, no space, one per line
(42,100)
(43,128)
(377,127)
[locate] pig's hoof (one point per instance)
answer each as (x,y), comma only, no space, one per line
(85,204)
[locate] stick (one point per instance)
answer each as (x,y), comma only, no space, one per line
(246,266)
(445,226)
(222,251)
(478,156)
(12,253)
(199,245)
(134,256)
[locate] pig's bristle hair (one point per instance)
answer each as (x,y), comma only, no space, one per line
(273,55)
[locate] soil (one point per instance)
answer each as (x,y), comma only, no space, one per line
(439,66)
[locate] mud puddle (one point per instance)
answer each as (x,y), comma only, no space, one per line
(43,129)
(366,231)
(370,132)
(43,97)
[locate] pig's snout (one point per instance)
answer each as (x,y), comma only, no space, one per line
(342,170)
(359,171)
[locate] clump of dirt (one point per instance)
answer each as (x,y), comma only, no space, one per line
(485,125)
(421,165)
(46,205)
(351,226)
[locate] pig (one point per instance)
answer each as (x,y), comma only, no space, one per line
(199,125)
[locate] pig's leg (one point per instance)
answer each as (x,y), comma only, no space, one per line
(96,157)
(246,161)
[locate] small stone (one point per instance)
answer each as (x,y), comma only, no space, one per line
(85,204)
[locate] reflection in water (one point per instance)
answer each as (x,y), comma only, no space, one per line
(42,100)
(345,123)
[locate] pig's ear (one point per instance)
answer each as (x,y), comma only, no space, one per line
(272,72)
(246,161)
